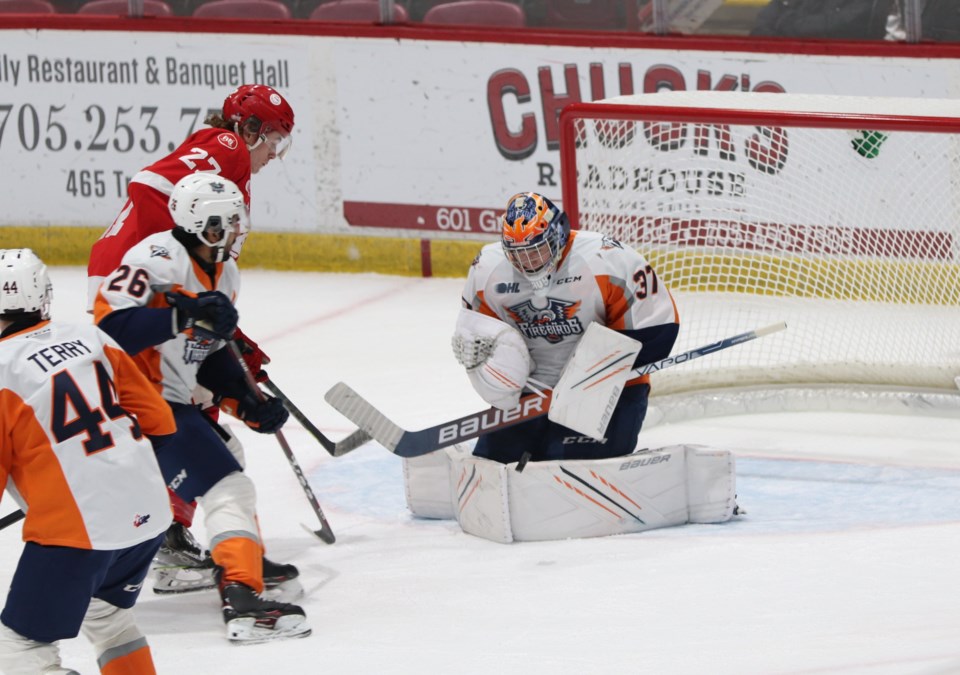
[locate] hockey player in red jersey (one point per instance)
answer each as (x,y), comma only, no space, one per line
(170,303)
(540,287)
(253,128)
(75,418)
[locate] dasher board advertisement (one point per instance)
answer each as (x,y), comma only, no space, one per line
(81,113)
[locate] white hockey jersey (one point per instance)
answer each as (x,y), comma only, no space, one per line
(598,279)
(152,267)
(68,443)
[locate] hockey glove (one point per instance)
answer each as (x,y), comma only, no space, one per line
(208,315)
(266,416)
(254,357)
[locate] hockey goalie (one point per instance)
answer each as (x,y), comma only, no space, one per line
(566,314)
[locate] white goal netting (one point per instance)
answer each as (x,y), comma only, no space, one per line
(838,215)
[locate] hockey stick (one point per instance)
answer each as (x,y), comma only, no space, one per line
(11,518)
(416,443)
(338,448)
(325,533)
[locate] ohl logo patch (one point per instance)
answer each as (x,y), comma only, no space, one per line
(553,322)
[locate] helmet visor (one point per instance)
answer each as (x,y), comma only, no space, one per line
(530,259)
(279,144)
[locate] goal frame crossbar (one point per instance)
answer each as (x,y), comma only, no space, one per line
(575,112)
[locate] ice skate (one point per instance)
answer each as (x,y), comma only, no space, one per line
(251,618)
(280,581)
(182,565)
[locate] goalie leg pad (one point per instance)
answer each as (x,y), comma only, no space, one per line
(711,484)
(479,487)
(596,498)
(426,483)
(592,498)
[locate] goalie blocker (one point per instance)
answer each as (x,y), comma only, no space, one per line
(573,499)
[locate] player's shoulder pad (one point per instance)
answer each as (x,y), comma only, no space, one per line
(604,248)
(222,140)
(488,260)
(160,254)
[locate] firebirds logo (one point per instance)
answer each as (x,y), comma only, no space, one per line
(553,322)
(196,349)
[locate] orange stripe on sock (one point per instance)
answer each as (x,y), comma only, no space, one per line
(139,662)
(241,560)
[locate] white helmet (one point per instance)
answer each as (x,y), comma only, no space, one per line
(24,284)
(211,208)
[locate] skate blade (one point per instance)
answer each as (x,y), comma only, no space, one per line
(246,630)
(175,580)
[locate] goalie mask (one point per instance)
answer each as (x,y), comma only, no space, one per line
(260,110)
(210,208)
(534,234)
(25,286)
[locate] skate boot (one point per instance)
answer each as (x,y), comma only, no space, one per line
(251,619)
(280,582)
(181,565)
(275,574)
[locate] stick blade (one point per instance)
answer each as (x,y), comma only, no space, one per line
(324,534)
(358,410)
(351,443)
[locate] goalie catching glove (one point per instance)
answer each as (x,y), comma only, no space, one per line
(266,416)
(495,356)
(207,315)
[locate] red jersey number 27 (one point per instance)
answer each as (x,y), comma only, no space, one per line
(198,156)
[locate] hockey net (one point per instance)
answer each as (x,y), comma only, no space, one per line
(838,215)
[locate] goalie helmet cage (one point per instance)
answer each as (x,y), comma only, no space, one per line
(838,215)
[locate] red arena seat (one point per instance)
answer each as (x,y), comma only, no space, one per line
(585,14)
(477,13)
(243,9)
(122,7)
(27,7)
(367,11)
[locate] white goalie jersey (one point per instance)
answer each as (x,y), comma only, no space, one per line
(597,280)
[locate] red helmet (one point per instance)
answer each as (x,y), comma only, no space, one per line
(259,108)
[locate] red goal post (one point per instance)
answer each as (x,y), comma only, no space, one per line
(839,215)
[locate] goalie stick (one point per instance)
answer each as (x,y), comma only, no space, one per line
(405,443)
(325,533)
(335,448)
